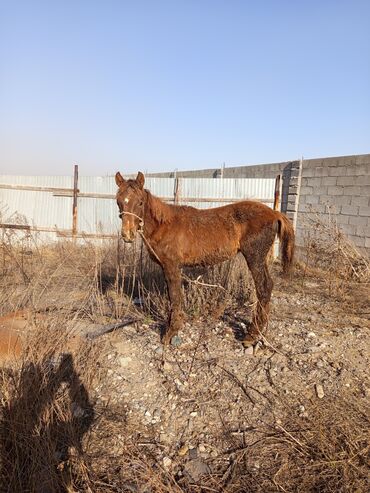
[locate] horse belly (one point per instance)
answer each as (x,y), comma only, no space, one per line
(204,252)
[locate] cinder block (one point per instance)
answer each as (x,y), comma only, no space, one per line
(302,208)
(315,182)
(342,200)
(364,211)
(321,191)
(363,180)
(350,210)
(294,172)
(346,180)
(366,231)
(362,159)
(342,219)
(321,208)
(308,172)
(293,190)
(325,199)
(359,170)
(329,180)
(312,199)
(321,171)
(346,160)
(306,190)
(358,191)
(359,241)
(361,201)
(348,229)
(357,220)
(313,163)
(335,190)
(340,171)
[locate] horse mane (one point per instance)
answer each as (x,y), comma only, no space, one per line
(161,212)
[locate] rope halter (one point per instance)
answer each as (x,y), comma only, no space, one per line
(141,220)
(141,233)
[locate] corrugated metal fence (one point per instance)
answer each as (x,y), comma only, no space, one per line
(45,203)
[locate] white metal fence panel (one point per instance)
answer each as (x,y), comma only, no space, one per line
(49,206)
(229,189)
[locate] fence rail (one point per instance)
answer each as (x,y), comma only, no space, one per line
(84,207)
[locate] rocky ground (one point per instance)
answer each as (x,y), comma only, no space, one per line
(203,414)
(193,404)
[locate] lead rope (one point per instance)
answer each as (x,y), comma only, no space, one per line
(150,248)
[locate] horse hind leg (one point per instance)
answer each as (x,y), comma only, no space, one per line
(263,284)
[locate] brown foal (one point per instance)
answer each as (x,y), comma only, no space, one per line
(178,236)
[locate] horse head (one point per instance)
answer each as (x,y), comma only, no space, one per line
(131,202)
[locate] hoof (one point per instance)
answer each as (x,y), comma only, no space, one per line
(165,340)
(249,341)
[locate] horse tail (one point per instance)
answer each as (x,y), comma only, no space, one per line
(287,241)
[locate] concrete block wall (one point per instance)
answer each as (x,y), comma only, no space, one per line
(339,186)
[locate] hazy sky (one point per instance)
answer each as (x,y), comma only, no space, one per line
(158,85)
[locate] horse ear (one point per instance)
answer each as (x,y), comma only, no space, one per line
(140,180)
(119,179)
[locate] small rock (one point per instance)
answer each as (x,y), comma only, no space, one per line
(193,414)
(159,350)
(183,450)
(176,341)
(311,335)
(196,468)
(167,462)
(319,391)
(125,361)
(178,384)
(201,448)
(157,413)
(249,351)
(193,453)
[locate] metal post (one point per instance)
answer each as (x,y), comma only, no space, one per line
(176,191)
(277,193)
(74,207)
(275,249)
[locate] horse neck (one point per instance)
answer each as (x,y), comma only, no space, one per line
(156,212)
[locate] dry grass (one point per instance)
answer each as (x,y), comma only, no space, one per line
(327,248)
(55,436)
(328,451)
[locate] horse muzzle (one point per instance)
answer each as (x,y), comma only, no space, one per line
(128,237)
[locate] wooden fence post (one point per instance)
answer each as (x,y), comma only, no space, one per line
(74,207)
(176,190)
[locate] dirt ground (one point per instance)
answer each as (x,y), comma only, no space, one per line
(197,402)
(204,411)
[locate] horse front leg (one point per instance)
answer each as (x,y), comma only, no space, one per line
(172,274)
